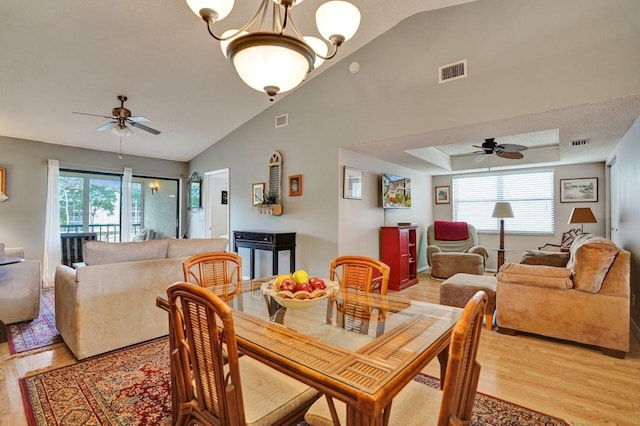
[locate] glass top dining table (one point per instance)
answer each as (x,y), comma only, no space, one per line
(361,348)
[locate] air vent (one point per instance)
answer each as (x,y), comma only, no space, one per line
(452,71)
(579,142)
(282,120)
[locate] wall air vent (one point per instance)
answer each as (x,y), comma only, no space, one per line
(452,71)
(282,120)
(579,142)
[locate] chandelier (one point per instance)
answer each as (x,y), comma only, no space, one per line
(272,59)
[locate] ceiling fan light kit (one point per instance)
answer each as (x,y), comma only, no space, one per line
(272,60)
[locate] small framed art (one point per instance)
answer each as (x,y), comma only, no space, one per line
(442,194)
(224,197)
(257,193)
(295,185)
(579,190)
(352,184)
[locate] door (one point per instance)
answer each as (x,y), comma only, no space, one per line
(614,213)
(216,202)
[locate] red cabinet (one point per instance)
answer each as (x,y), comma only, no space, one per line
(398,245)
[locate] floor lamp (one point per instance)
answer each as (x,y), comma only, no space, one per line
(501,210)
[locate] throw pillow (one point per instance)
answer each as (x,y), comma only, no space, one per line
(591,263)
(539,257)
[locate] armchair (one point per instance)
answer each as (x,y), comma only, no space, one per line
(586,301)
(20,288)
(452,247)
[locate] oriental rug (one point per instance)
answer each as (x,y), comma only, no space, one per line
(131,387)
(29,335)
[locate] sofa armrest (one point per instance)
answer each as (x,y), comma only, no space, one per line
(430,251)
(535,275)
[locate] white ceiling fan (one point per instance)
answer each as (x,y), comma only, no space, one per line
(121,116)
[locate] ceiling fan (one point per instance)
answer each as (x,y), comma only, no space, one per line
(121,116)
(507,150)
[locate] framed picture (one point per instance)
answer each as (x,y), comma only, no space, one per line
(257,192)
(295,185)
(352,183)
(224,198)
(3,178)
(442,195)
(194,186)
(579,190)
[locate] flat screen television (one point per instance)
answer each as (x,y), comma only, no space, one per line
(396,192)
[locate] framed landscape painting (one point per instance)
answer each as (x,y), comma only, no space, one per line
(442,195)
(579,190)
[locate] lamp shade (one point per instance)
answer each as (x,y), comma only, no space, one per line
(269,62)
(502,209)
(221,7)
(582,215)
(337,20)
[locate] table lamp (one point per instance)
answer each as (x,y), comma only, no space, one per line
(501,210)
(582,215)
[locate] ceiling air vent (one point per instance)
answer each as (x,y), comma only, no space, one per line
(282,120)
(452,71)
(579,142)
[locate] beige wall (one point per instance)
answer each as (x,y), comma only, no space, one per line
(517,244)
(22,217)
(524,57)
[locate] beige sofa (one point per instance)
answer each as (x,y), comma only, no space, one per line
(587,301)
(110,302)
(20,288)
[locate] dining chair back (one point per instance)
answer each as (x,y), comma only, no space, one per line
(207,368)
(418,404)
(361,273)
(221,271)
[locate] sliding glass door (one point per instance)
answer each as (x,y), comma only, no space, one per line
(91,203)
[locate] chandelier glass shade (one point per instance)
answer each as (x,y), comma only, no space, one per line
(277,59)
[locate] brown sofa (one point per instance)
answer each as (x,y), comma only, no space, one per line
(586,301)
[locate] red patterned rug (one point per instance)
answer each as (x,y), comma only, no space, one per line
(131,387)
(29,335)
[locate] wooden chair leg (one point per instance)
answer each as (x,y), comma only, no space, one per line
(488,318)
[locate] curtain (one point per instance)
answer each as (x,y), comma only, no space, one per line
(52,245)
(125,221)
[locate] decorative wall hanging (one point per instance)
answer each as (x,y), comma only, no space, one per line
(579,190)
(295,185)
(272,196)
(194,188)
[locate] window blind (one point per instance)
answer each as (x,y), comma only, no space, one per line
(530,193)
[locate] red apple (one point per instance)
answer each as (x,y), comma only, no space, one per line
(304,287)
(288,284)
(317,283)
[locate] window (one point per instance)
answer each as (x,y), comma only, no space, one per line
(90,202)
(531,195)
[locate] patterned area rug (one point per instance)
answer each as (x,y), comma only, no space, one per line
(28,335)
(131,387)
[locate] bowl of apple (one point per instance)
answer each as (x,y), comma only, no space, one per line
(298,290)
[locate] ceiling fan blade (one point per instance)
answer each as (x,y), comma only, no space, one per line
(510,147)
(93,115)
(107,126)
(510,155)
(137,118)
(143,127)
(481,157)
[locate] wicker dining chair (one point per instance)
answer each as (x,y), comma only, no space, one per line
(418,404)
(364,274)
(214,385)
(219,271)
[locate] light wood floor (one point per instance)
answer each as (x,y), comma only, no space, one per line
(570,381)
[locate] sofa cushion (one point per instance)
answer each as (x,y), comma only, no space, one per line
(101,253)
(591,258)
(539,257)
(191,247)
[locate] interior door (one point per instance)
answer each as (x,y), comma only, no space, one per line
(216,202)
(613,198)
